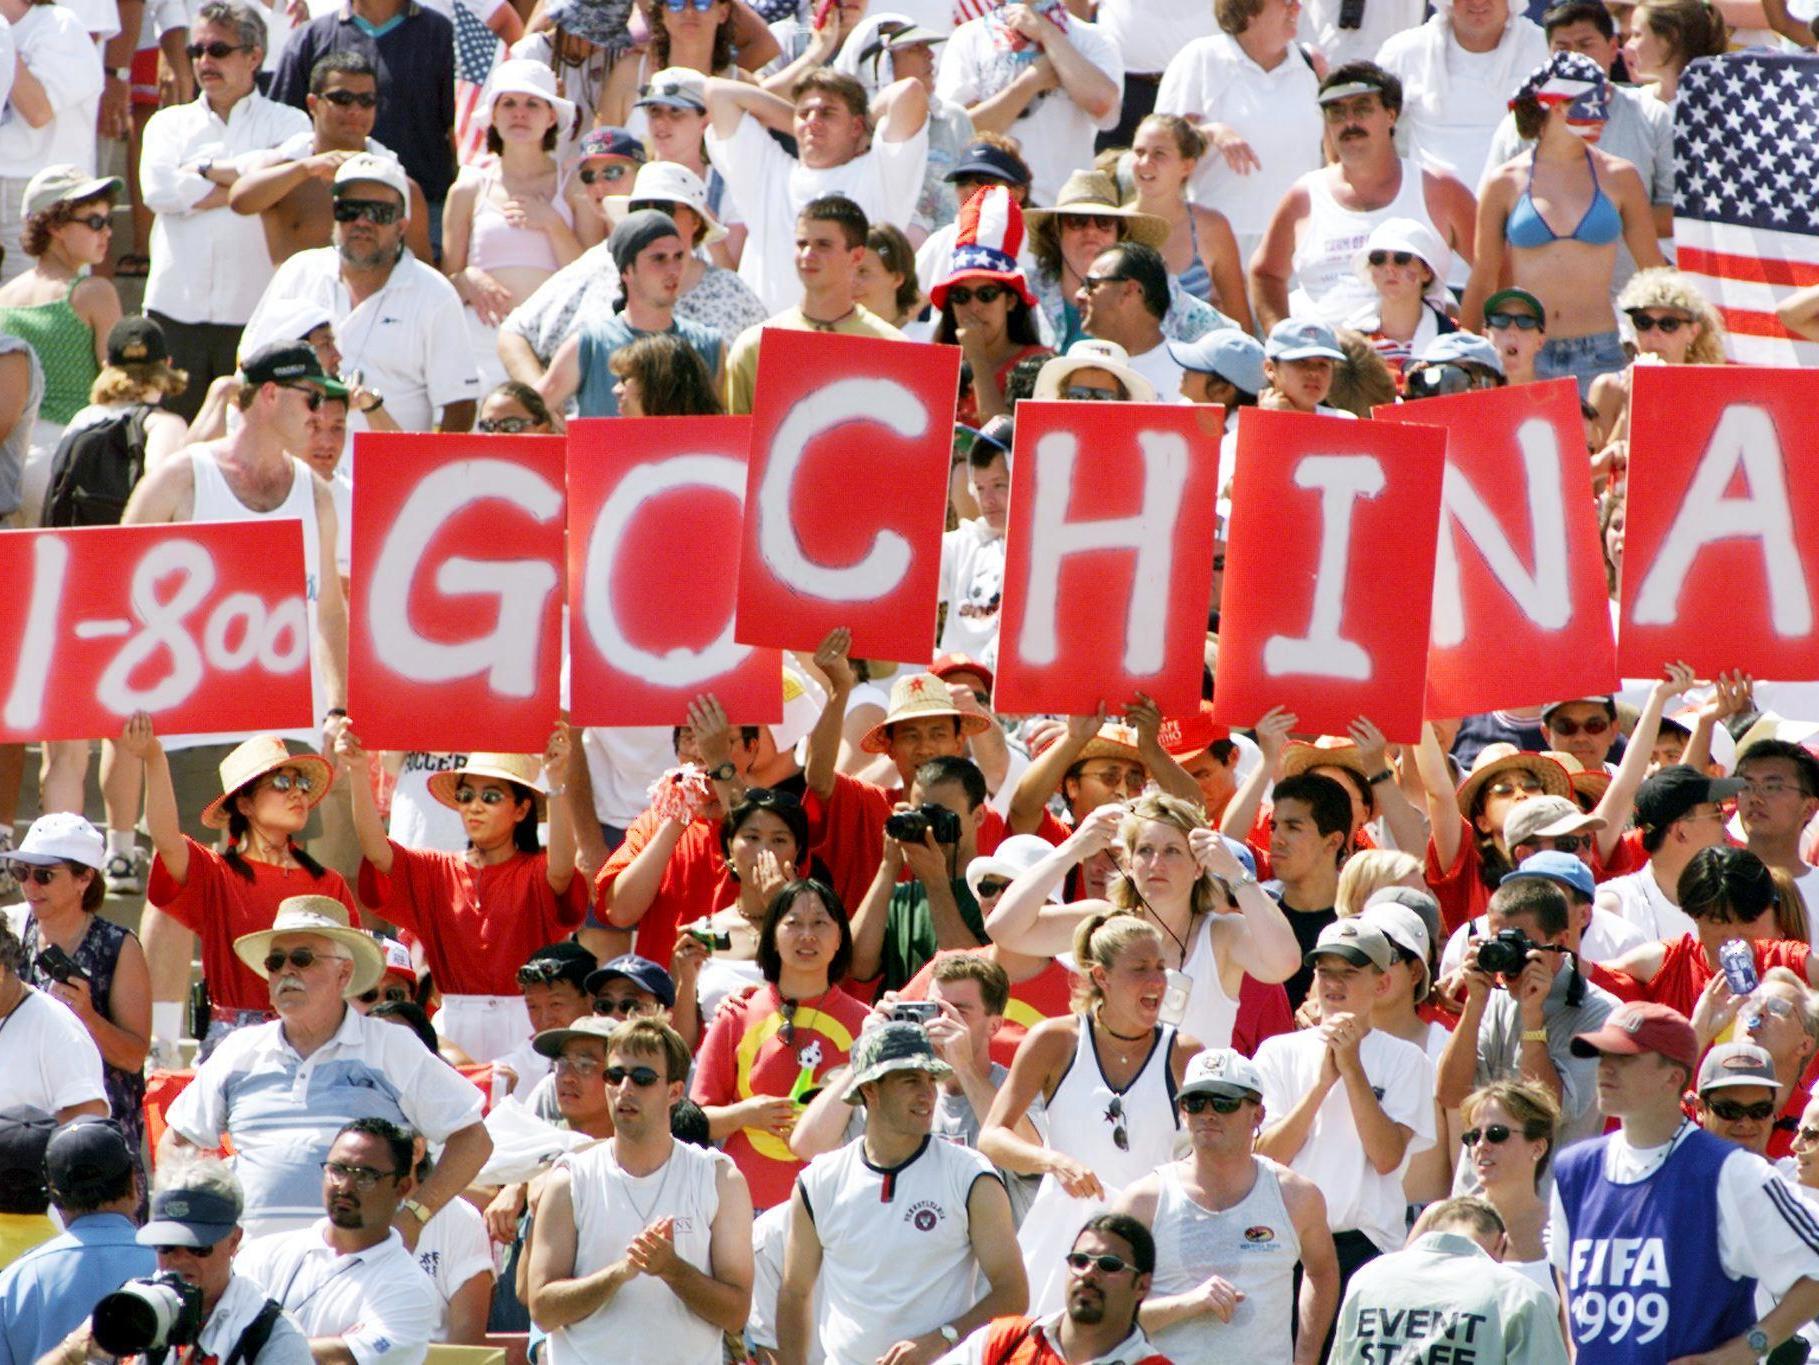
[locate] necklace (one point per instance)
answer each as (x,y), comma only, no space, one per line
(830,324)
(644,1214)
(1122,1054)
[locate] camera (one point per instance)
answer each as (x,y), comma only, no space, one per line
(908,826)
(59,966)
(707,938)
(1505,953)
(915,1011)
(152,1314)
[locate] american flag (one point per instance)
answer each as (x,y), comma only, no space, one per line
(1746,220)
(477,50)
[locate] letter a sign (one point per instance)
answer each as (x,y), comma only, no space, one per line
(1329,572)
(1721,540)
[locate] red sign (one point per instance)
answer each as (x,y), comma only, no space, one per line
(846,495)
(203,624)
(454,621)
(1329,572)
(655,508)
(1519,573)
(1721,540)
(1108,556)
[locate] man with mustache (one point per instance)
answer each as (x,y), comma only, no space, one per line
(1329,214)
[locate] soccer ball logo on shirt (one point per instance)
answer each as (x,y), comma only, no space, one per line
(923,1215)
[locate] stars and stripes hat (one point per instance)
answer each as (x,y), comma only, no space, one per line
(990,234)
(1569,78)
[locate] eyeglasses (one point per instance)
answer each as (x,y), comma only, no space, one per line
(623,1008)
(95,222)
(312,398)
(1496,1134)
(1086,393)
(200,1253)
(510,426)
(1114,1115)
(960,295)
(1089,283)
(641,1076)
(1105,222)
(1130,779)
(344,99)
(375,211)
(581,1066)
(1219,1104)
(1391,258)
(1440,380)
(360,1177)
(1774,786)
(300,958)
(1648,322)
(992,886)
(1594,725)
(1767,1004)
(1730,1111)
(1079,1262)
(216,50)
(489,796)
(611,174)
(31,872)
(699,6)
(391,995)
(1522,322)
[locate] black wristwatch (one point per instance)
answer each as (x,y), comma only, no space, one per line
(1385,776)
(726,772)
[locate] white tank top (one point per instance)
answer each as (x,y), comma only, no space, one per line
(1324,279)
(611,1208)
(1252,1246)
(1211,1013)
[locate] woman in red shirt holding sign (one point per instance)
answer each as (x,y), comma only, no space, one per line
(481,913)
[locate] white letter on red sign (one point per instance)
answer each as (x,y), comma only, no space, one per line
(508,656)
(846,400)
(1744,436)
(1544,596)
(50,565)
(1151,534)
(1342,480)
(679,668)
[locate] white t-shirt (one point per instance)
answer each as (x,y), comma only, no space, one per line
(378,1301)
(50,1060)
(1358,1196)
(972,585)
(622,762)
(1638,898)
(1148,33)
(771,187)
(1382,20)
(453,1248)
(1807,883)
(58,50)
(1159,367)
(1056,133)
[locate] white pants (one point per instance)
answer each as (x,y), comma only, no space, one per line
(485,1027)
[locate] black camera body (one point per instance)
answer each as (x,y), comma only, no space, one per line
(59,966)
(1505,953)
(152,1314)
(909,826)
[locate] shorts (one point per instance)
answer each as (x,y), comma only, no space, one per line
(144,78)
(1581,358)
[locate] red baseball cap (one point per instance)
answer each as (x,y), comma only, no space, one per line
(1639,1026)
(1185,736)
(949,664)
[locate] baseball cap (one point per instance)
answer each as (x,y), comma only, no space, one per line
(1731,1064)
(185,1217)
(136,341)
(894,1046)
(281,362)
(1608,702)
(1503,298)
(1669,793)
(981,160)
(1546,817)
(612,142)
(85,1152)
(946,665)
(398,960)
(1302,339)
(1233,355)
(1461,348)
(1419,900)
(1186,736)
(65,184)
(1403,927)
(641,972)
(382,170)
(674,87)
(1566,868)
(1361,944)
(551,1041)
(1221,1071)
(1639,1026)
(62,836)
(25,1132)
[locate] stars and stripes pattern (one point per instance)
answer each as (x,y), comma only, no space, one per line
(477,51)
(1746,221)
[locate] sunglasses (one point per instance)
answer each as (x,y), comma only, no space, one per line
(1114,1115)
(510,426)
(668,206)
(959,295)
(610,174)
(300,958)
(375,211)
(200,1253)
(642,1076)
(992,886)
(669,90)
(31,872)
(1079,1262)
(391,995)
(1522,322)
(95,222)
(1105,222)
(216,50)
(1436,381)
(1565,728)
(1090,283)
(1219,1104)
(313,398)
(787,1031)
(1647,322)
(347,99)
(541,972)
(619,1009)
(1806,1135)
(699,6)
(1730,1111)
(1086,393)
(360,1177)
(1496,1134)
(491,796)
(1391,258)
(1571,843)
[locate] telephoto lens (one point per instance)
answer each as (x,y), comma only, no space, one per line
(160,1311)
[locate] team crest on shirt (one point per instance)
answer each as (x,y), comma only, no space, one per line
(924,1215)
(1260,1238)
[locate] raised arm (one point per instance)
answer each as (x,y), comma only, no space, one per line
(1407,826)
(1144,716)
(1023,920)
(824,740)
(162,823)
(561,860)
(730,101)
(1272,732)
(369,828)
(1047,770)
(1619,798)
(1444,825)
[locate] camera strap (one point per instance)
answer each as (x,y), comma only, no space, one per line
(258,1332)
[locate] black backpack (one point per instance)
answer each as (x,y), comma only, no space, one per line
(95,469)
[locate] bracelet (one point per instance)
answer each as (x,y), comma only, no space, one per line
(1534,1035)
(1387,775)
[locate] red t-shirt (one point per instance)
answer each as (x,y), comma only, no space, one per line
(695,883)
(1620,984)
(1628,856)
(1685,972)
(478,925)
(1046,995)
(846,832)
(1017,1341)
(219,905)
(744,1055)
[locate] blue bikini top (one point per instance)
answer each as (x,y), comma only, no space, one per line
(1601,225)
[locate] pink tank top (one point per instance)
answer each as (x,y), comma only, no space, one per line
(495,244)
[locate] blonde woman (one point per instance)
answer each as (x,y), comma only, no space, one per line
(1507,1143)
(1106,1074)
(1674,324)
(1370,870)
(1180,876)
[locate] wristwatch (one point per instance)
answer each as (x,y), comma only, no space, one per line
(415,1208)
(949,1333)
(726,772)
(120,73)
(1757,1341)
(1386,775)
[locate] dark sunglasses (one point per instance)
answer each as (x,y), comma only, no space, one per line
(1090,283)
(216,50)
(31,872)
(200,1253)
(992,886)
(1496,1134)
(1597,725)
(960,295)
(1079,1262)
(668,206)
(300,958)
(1730,1111)
(1114,1115)
(1086,393)
(1105,222)
(1437,381)
(491,796)
(677,6)
(391,995)
(95,222)
(375,211)
(1646,322)
(510,426)
(1219,1104)
(313,398)
(610,174)
(541,972)
(619,1009)
(772,794)
(642,1076)
(345,99)
(1391,258)
(283,782)
(1522,322)
(1571,843)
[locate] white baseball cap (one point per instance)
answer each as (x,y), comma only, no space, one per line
(62,836)
(1221,1071)
(381,170)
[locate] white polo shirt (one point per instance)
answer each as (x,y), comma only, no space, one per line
(1148,33)
(283,1111)
(1381,20)
(408,340)
(57,49)
(234,1312)
(378,1302)
(1638,898)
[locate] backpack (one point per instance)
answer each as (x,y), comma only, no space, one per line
(95,469)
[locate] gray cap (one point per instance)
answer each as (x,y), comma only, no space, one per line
(1358,943)
(895,1046)
(1731,1064)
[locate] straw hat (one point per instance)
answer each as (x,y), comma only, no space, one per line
(324,917)
(524,769)
(1092,193)
(1114,740)
(1502,758)
(912,698)
(1328,751)
(1588,783)
(251,761)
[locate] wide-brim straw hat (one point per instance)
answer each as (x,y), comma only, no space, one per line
(1502,758)
(251,761)
(1091,353)
(324,917)
(912,698)
(1092,193)
(524,769)
(1329,751)
(1589,783)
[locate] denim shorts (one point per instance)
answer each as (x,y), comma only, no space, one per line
(1581,358)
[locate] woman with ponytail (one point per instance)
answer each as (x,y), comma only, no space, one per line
(1105,1076)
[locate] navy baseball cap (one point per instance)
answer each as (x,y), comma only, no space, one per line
(1669,793)
(612,142)
(641,972)
(84,1152)
(190,1218)
(1552,865)
(25,1132)
(1233,355)
(981,160)
(282,362)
